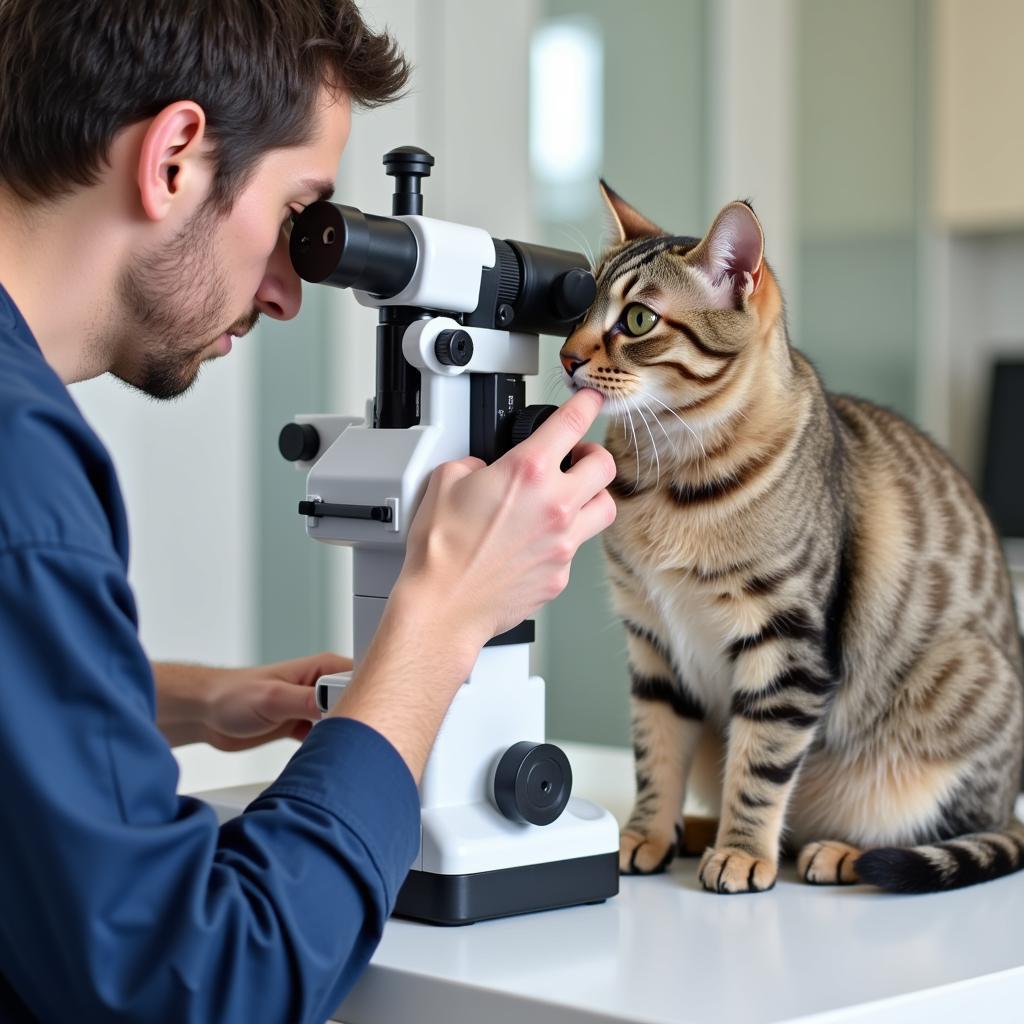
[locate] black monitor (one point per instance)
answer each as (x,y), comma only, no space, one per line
(1002,482)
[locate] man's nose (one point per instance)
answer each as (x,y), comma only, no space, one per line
(572,361)
(280,292)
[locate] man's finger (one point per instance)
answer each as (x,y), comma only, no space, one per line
(564,428)
(306,671)
(596,516)
(593,470)
(287,703)
(583,448)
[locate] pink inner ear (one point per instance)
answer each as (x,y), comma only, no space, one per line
(742,242)
(732,250)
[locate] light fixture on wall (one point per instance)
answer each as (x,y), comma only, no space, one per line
(566,116)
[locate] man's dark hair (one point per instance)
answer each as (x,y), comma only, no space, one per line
(73,73)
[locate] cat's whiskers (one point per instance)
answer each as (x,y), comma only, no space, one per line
(657,418)
(693,433)
(636,446)
(673,446)
(619,402)
(554,384)
(625,423)
(581,241)
(654,448)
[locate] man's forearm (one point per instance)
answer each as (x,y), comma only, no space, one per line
(409,676)
(179,701)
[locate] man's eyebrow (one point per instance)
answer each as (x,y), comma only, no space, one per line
(321,187)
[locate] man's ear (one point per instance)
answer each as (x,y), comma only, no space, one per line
(171,163)
(629,223)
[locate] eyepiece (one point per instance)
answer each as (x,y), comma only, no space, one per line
(344,247)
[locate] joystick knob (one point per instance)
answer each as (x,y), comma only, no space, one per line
(527,420)
(298,442)
(532,783)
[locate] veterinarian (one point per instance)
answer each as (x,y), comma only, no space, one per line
(150,157)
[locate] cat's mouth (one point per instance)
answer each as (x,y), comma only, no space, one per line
(609,383)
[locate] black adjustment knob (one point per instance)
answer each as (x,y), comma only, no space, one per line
(407,165)
(408,160)
(453,348)
(573,293)
(526,421)
(298,442)
(532,783)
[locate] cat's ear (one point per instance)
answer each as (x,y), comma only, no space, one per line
(628,222)
(733,250)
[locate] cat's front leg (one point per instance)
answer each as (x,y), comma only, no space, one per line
(781,688)
(667,722)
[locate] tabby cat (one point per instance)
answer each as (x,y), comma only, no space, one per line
(819,619)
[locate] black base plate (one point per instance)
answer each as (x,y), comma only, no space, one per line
(463,899)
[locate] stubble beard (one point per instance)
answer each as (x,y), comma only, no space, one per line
(175,303)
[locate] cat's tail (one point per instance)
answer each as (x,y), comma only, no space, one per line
(950,864)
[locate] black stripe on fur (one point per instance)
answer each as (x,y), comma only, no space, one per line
(791,624)
(645,634)
(697,341)
(772,580)
(804,679)
(615,557)
(737,479)
(779,774)
(752,707)
(649,247)
(622,488)
(690,494)
(684,704)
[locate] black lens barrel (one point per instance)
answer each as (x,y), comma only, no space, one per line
(556,288)
(538,290)
(344,247)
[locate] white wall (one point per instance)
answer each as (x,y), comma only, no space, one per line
(754,155)
(186,471)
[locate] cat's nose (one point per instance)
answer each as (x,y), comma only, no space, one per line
(572,362)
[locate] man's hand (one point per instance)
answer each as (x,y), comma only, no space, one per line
(235,709)
(488,546)
(492,544)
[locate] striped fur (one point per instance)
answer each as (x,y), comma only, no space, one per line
(819,620)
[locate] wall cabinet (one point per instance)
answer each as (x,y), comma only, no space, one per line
(977,86)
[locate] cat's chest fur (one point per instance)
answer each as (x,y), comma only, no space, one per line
(684,561)
(695,632)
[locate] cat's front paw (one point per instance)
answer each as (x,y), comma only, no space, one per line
(646,854)
(726,869)
(828,863)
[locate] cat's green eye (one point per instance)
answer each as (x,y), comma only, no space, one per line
(639,319)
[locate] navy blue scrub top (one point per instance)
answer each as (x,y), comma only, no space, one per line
(119,899)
